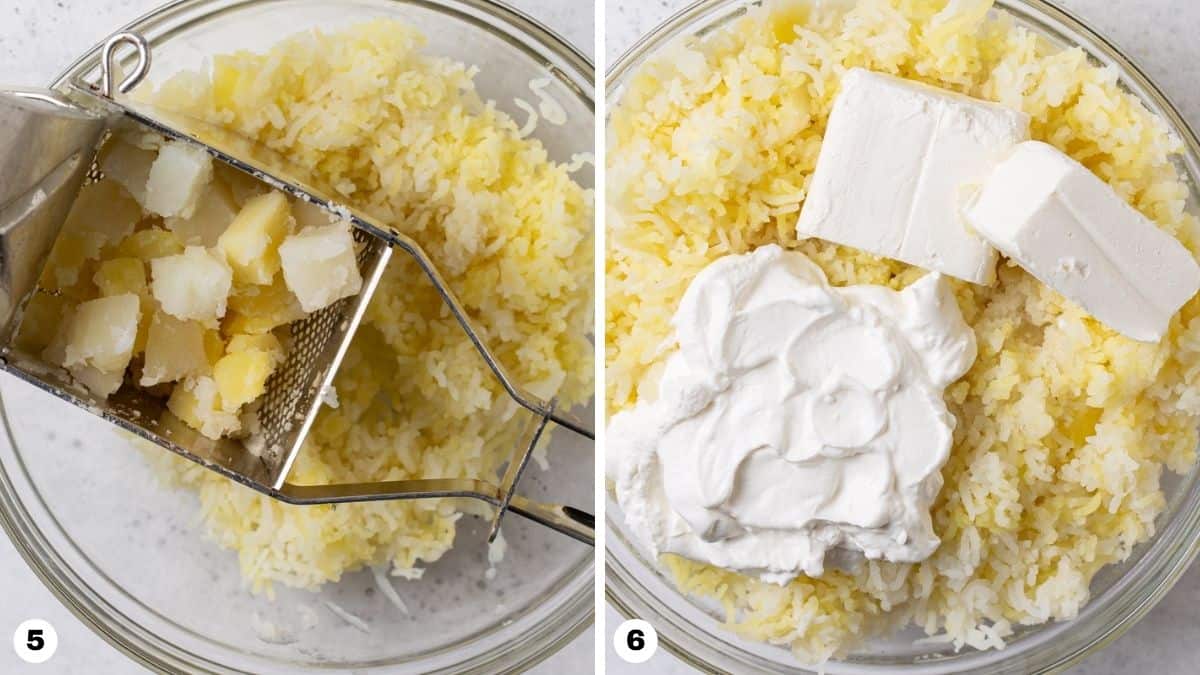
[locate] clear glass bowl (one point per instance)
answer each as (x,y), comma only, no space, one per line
(1121,594)
(127,555)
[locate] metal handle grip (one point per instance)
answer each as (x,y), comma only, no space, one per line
(571,521)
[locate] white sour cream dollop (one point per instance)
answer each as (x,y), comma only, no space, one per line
(795,419)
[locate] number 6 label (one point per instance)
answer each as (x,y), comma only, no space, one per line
(635,641)
(35,641)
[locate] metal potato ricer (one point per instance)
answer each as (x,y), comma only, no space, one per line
(48,146)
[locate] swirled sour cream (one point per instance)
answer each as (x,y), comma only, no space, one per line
(794,420)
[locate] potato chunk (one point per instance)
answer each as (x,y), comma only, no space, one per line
(197,402)
(45,317)
(241,377)
(102,333)
(266,343)
(251,244)
(128,165)
(261,309)
(174,350)
(121,275)
(67,265)
(215,210)
(103,214)
(319,266)
(56,351)
(147,245)
(193,285)
(100,383)
(128,275)
(149,309)
(177,180)
(214,346)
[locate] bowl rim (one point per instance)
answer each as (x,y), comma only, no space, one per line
(576,613)
(626,595)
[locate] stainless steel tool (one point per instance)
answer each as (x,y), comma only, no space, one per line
(48,145)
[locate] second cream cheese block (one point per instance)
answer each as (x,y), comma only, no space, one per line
(895,161)
(1069,229)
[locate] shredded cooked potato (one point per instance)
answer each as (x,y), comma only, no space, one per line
(1065,427)
(404,136)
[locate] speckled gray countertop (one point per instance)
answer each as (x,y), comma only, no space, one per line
(1159,35)
(39,38)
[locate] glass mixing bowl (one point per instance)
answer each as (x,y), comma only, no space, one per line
(1121,594)
(127,555)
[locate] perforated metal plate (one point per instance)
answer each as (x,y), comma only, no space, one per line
(319,342)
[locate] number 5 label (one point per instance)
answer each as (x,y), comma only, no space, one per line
(635,641)
(35,641)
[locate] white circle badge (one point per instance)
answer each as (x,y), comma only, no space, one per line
(35,641)
(635,641)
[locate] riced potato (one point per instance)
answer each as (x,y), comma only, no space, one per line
(403,135)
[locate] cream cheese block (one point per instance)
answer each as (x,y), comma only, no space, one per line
(1069,229)
(896,162)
